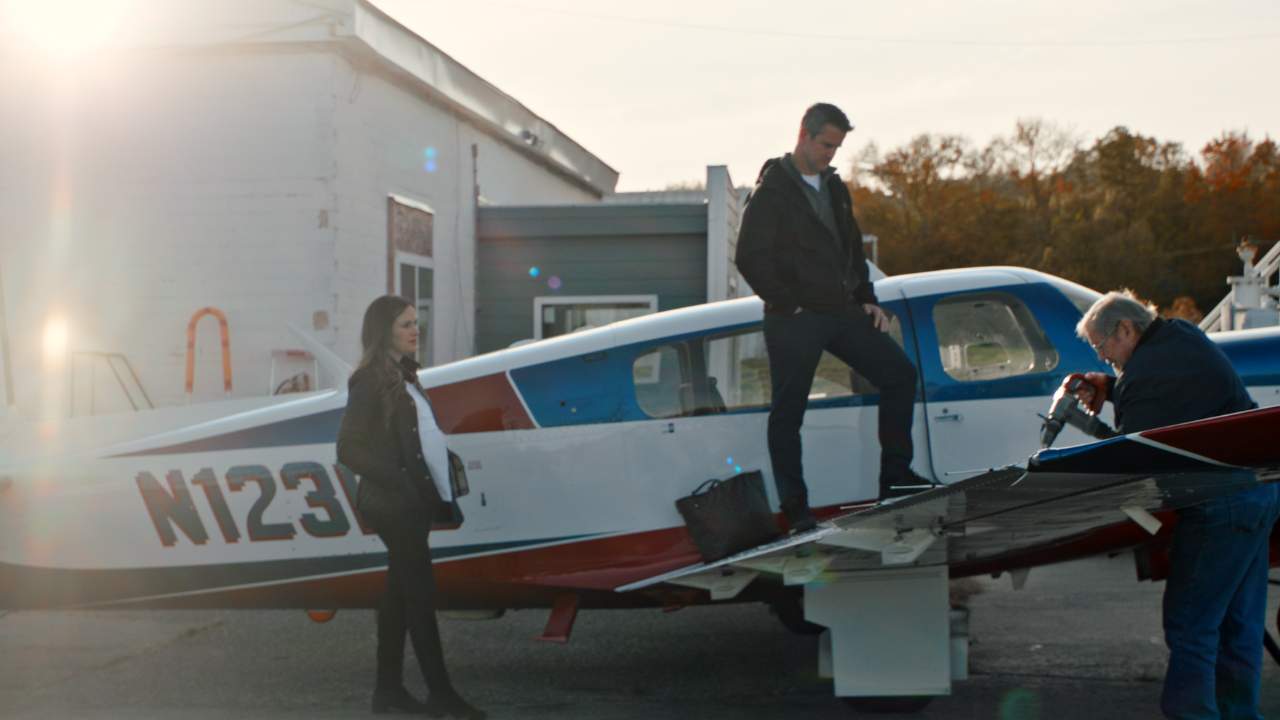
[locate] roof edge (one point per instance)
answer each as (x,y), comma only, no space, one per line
(506,117)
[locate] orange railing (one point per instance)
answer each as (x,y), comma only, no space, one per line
(191,349)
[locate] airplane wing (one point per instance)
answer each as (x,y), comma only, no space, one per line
(1004,514)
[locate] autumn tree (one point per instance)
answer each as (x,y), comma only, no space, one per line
(1126,210)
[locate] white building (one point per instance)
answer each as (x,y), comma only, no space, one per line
(284,162)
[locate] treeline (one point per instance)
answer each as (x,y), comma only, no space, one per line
(1126,210)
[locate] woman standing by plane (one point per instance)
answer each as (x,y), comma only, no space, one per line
(398,497)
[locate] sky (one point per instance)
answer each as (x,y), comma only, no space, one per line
(659,90)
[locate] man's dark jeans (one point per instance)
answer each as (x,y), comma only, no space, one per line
(795,344)
(1215,606)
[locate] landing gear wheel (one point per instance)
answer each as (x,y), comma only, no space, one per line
(904,704)
(790,612)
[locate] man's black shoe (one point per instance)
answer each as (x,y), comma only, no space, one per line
(903,484)
(803,521)
(397,701)
(452,705)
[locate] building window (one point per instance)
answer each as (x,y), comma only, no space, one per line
(414,282)
(990,336)
(558,315)
(410,248)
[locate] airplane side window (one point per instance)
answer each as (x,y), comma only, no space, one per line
(737,371)
(835,379)
(990,336)
(662,382)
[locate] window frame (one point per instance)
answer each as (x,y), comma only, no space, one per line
(1017,305)
(542,301)
(419,262)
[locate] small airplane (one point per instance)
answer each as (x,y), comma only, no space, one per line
(576,448)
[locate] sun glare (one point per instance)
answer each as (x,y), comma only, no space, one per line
(64,29)
(55,341)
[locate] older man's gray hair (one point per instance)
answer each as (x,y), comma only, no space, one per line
(1104,315)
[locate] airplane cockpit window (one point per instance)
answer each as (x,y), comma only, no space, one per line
(990,336)
(737,375)
(663,381)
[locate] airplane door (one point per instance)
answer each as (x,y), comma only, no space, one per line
(990,360)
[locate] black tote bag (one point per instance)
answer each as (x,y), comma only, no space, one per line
(728,516)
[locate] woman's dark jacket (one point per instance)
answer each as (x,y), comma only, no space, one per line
(395,484)
(790,257)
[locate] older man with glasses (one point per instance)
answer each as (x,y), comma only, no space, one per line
(1215,598)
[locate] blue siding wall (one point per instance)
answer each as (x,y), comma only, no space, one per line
(591,250)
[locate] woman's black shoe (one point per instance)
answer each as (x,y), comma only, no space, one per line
(453,706)
(398,701)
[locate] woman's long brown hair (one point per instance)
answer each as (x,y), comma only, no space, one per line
(375,338)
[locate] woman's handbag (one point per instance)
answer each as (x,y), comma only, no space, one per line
(449,515)
(728,516)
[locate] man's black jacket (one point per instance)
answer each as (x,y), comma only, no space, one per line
(1176,374)
(788,255)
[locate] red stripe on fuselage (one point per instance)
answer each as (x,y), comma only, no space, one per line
(483,404)
(1245,439)
(521,579)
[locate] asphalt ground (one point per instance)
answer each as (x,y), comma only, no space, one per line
(1079,641)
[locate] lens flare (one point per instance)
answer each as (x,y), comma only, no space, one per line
(554,282)
(65,30)
(1020,704)
(55,341)
(534,271)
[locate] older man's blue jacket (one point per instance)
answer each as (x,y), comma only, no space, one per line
(1176,374)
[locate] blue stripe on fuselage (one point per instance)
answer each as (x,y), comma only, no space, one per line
(599,388)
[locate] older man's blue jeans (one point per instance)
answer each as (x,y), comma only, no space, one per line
(1215,604)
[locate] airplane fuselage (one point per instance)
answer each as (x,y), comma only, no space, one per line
(576,449)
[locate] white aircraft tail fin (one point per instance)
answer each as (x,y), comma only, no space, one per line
(328,359)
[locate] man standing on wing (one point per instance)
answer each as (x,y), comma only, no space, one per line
(801,250)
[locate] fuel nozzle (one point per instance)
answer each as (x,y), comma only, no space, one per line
(1065,410)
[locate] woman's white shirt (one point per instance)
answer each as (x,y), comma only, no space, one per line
(434,449)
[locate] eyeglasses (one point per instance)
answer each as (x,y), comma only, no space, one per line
(1097,347)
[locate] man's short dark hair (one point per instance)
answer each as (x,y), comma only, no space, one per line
(820,115)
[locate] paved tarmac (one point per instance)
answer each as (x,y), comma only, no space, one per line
(1080,641)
